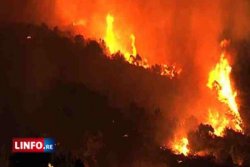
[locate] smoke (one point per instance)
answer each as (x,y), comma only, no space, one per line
(29,11)
(183,32)
(188,29)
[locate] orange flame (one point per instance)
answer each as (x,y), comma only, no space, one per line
(181,146)
(110,38)
(220,119)
(132,57)
(219,79)
(112,41)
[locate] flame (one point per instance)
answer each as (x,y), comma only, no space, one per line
(218,122)
(113,43)
(131,56)
(181,146)
(219,80)
(223,117)
(134,50)
(110,38)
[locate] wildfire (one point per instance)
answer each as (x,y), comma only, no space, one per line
(225,117)
(113,43)
(181,146)
(110,35)
(219,80)
(134,51)
(218,122)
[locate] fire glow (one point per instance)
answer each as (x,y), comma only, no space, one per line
(131,56)
(181,146)
(219,81)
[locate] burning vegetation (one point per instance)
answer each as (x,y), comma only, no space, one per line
(127,83)
(220,119)
(219,80)
(112,42)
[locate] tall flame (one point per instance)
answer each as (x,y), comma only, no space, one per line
(219,79)
(220,119)
(134,51)
(114,45)
(110,38)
